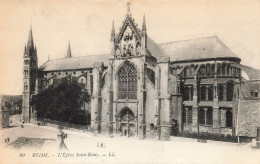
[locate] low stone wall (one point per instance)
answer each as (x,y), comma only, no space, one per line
(56,124)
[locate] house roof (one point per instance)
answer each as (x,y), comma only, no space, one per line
(194,49)
(74,63)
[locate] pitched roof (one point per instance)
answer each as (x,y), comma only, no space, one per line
(154,48)
(74,63)
(195,49)
(201,48)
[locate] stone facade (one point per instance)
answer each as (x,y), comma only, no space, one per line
(146,89)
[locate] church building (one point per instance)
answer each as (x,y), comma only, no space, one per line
(145,89)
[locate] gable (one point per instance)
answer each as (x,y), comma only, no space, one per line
(128,42)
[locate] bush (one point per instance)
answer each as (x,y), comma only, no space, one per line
(63,103)
(208,136)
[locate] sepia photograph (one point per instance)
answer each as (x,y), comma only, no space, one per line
(128,81)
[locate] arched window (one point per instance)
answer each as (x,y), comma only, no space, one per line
(219,69)
(151,75)
(203,93)
(201,116)
(152,127)
(203,71)
(223,69)
(208,70)
(184,116)
(25,86)
(228,69)
(127,82)
(230,91)
(220,92)
(229,118)
(209,116)
(189,116)
(212,69)
(104,80)
(192,70)
(210,93)
(186,93)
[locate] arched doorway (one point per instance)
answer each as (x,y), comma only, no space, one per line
(127,122)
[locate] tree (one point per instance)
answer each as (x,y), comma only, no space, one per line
(63,103)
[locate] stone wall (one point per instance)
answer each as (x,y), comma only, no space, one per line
(248,118)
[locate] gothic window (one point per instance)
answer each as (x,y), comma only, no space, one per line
(209,116)
(208,70)
(104,80)
(230,91)
(127,82)
(184,116)
(201,116)
(91,83)
(151,75)
(189,116)
(228,69)
(212,69)
(186,93)
(152,127)
(192,70)
(25,86)
(210,93)
(203,93)
(223,69)
(219,69)
(203,71)
(221,92)
(229,118)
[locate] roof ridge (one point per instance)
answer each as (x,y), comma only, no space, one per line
(75,57)
(214,36)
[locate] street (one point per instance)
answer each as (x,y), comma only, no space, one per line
(40,143)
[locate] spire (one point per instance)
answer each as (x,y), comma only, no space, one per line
(68,52)
(25,49)
(112,32)
(35,50)
(128,8)
(144,24)
(30,40)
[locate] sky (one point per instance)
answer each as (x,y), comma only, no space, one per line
(87,26)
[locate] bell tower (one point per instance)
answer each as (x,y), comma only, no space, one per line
(30,71)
